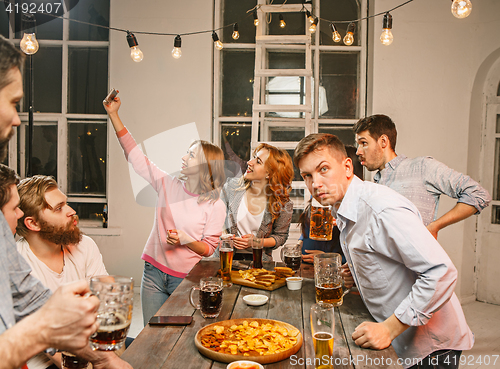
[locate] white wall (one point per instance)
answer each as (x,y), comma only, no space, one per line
(423,81)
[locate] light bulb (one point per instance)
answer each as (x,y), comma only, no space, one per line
(386,37)
(218,43)
(136,54)
(461,8)
(176,51)
(255,18)
(335,34)
(312,27)
(349,37)
(29,44)
(282,22)
(236,33)
(310,16)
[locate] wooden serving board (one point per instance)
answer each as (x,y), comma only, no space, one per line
(237,279)
(262,359)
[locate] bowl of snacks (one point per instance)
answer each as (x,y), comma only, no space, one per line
(255,300)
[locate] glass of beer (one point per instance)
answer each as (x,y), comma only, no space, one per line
(291,254)
(70,361)
(226,253)
(321,226)
(116,294)
(327,278)
(210,297)
(322,328)
(257,244)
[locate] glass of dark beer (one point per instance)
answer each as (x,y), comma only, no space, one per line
(321,226)
(327,278)
(226,253)
(70,361)
(116,294)
(291,254)
(210,297)
(257,245)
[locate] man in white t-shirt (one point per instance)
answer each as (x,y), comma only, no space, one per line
(51,242)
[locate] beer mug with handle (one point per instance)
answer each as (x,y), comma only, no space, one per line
(116,294)
(291,255)
(322,331)
(321,225)
(327,278)
(210,297)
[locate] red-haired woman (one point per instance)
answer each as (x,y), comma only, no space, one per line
(258,203)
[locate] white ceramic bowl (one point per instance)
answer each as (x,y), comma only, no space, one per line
(255,300)
(244,364)
(294,283)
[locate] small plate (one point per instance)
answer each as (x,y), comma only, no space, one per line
(255,300)
(244,364)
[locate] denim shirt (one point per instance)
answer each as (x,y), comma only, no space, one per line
(423,180)
(401,269)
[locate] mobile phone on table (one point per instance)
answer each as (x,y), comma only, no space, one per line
(171,320)
(111,96)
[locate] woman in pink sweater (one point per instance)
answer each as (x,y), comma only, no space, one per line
(189,215)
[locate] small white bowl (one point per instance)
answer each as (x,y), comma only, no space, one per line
(294,283)
(255,300)
(244,364)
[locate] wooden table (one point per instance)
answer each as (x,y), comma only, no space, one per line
(173,346)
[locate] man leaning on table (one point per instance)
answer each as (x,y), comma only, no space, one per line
(422,180)
(404,276)
(33,319)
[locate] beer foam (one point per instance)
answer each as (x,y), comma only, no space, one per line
(113,327)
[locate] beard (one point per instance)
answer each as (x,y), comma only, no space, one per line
(4,145)
(64,236)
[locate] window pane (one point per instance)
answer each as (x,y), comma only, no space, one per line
(495,214)
(339,10)
(498,123)
(87,142)
(88,211)
(4,20)
(498,92)
(235,11)
(44,149)
(47,83)
(47,27)
(237,82)
(295,24)
(344,133)
(91,11)
(296,171)
(286,134)
(235,139)
(496,172)
(88,80)
(339,78)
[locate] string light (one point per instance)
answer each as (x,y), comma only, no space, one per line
(217,42)
(255,18)
(349,37)
(135,53)
(236,34)
(312,27)
(386,37)
(282,21)
(309,16)
(29,44)
(176,51)
(335,34)
(461,8)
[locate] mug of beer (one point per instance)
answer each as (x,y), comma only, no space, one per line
(226,253)
(327,278)
(210,297)
(70,361)
(257,245)
(322,328)
(291,254)
(116,294)
(321,225)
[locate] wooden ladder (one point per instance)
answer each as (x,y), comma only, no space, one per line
(265,42)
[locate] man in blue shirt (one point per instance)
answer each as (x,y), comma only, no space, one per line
(422,180)
(404,276)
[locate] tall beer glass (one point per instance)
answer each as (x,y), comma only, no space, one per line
(321,226)
(226,253)
(70,361)
(257,245)
(116,294)
(322,330)
(327,278)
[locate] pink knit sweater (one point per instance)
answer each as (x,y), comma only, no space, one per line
(176,208)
